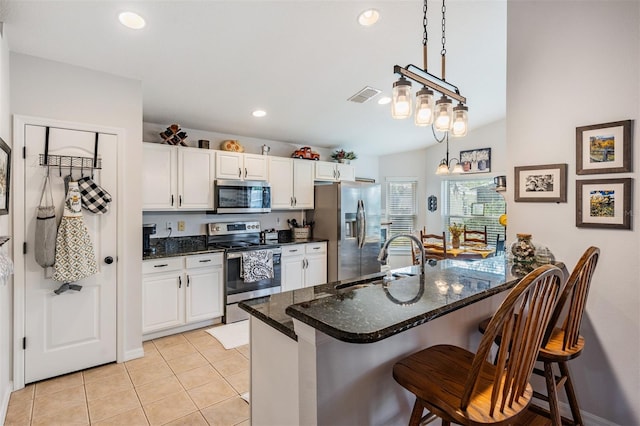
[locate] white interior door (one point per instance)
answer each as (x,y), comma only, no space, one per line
(76,329)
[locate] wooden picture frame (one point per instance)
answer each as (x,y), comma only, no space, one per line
(544,183)
(604,148)
(604,203)
(5,177)
(476,160)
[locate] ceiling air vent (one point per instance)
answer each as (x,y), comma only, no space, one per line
(364,95)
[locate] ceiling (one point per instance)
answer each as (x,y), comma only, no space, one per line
(208,64)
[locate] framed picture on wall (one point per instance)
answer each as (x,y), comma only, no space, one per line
(603,203)
(476,160)
(544,183)
(5,175)
(604,148)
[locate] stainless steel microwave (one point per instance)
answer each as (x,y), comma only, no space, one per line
(242,196)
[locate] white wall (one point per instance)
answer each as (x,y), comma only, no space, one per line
(572,64)
(48,89)
(6,288)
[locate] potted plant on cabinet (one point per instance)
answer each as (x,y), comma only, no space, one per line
(343,156)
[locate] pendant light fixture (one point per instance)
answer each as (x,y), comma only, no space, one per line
(443,116)
(447,166)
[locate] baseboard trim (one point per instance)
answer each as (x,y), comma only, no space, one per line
(133,354)
(5,402)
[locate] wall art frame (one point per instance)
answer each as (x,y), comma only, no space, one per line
(604,148)
(541,184)
(604,203)
(476,160)
(5,176)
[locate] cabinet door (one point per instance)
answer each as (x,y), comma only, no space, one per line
(325,170)
(162,301)
(303,195)
(228,165)
(195,178)
(204,294)
(159,177)
(281,181)
(315,270)
(346,172)
(292,270)
(255,167)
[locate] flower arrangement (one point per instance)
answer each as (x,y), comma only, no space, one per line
(341,154)
(456,229)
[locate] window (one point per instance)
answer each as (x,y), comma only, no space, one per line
(401,209)
(474,203)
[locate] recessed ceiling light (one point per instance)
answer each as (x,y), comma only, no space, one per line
(132,20)
(259,113)
(384,100)
(368,17)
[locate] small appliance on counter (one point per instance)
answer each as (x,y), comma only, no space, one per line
(148,229)
(269,235)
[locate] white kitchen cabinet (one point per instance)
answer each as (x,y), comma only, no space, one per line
(178,291)
(291,183)
(236,165)
(303,265)
(334,172)
(177,178)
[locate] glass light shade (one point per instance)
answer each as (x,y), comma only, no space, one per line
(424,107)
(132,20)
(401,103)
(368,17)
(457,169)
(460,121)
(443,168)
(444,114)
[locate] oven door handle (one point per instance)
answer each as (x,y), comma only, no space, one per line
(238,254)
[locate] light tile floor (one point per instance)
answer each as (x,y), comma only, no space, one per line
(183,379)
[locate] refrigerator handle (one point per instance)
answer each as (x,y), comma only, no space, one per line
(361,218)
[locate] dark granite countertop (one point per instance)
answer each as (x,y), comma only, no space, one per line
(185,246)
(366,311)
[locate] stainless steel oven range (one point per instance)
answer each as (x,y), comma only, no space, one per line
(242,245)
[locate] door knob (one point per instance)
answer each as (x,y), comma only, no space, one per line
(108,260)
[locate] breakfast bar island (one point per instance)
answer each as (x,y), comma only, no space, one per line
(324,355)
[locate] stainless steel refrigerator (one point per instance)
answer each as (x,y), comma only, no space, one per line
(348,215)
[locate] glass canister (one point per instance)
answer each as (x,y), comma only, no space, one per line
(523,250)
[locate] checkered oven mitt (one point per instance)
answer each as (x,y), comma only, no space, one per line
(94,198)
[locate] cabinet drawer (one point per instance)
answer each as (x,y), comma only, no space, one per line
(293,250)
(203,260)
(162,265)
(313,248)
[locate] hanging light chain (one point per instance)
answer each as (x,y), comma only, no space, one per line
(444,38)
(425,21)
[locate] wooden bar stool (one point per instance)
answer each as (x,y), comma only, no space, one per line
(458,386)
(564,343)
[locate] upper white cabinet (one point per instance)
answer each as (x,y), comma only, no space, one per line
(334,172)
(235,165)
(177,177)
(291,183)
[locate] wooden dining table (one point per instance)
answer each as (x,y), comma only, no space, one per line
(464,252)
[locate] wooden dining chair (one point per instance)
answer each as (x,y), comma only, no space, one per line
(563,343)
(461,387)
(475,235)
(435,246)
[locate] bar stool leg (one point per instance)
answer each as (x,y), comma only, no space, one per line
(571,394)
(416,413)
(552,394)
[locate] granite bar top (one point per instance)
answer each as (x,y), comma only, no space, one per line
(367,310)
(185,246)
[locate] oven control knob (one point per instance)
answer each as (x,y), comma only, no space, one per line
(217,228)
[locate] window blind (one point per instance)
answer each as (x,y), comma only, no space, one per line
(401,209)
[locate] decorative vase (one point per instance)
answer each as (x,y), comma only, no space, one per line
(523,250)
(455,241)
(344,161)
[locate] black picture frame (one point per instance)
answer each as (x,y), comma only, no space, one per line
(604,203)
(604,148)
(544,183)
(5,177)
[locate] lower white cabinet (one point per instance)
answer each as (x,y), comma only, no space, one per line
(303,265)
(180,290)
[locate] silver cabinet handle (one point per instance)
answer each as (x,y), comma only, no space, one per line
(204,260)
(293,251)
(295,201)
(161,265)
(239,172)
(292,202)
(179,200)
(188,280)
(179,282)
(171,200)
(245,172)
(316,248)
(338,174)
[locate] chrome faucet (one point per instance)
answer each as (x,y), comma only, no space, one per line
(384,251)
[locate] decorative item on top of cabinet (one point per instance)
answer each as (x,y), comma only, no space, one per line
(231,145)
(173,135)
(305,153)
(342,156)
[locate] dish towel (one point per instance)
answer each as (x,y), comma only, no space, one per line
(256,265)
(75,257)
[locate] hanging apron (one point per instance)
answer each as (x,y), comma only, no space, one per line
(75,257)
